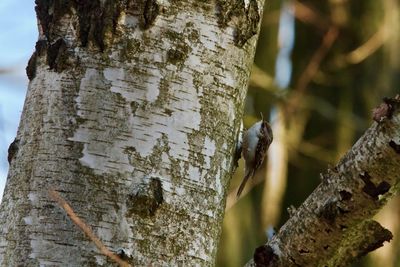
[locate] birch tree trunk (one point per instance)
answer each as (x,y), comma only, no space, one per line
(132,115)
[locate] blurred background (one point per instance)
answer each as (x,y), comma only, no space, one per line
(320,68)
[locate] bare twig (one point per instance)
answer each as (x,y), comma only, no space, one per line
(319,55)
(86,229)
(306,14)
(368,48)
(295,100)
(260,78)
(311,69)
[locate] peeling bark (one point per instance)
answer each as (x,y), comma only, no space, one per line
(333,227)
(132,115)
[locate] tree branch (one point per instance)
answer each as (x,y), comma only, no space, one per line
(335,219)
(364,238)
(86,229)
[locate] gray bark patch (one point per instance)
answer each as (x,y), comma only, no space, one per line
(371,189)
(30,69)
(330,211)
(98,21)
(345,195)
(178,54)
(386,109)
(124,256)
(245,19)
(146,198)
(150,13)
(49,14)
(264,256)
(12,150)
(57,55)
(379,234)
(395,146)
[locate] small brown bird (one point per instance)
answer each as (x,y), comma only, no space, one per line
(256,142)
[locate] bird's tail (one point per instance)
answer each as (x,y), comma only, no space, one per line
(246,177)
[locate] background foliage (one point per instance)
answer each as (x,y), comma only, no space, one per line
(343,59)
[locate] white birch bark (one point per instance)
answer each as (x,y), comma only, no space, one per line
(132,115)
